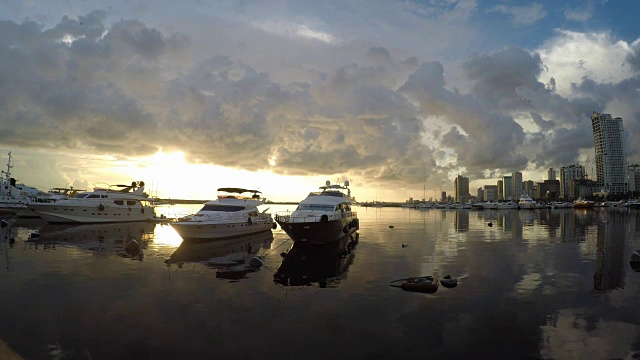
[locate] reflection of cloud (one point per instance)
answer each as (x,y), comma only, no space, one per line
(575,336)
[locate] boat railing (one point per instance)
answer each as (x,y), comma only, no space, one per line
(286,216)
(225,217)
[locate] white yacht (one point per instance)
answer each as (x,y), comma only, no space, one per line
(560,205)
(491,205)
(322,217)
(526,202)
(233,213)
(117,203)
(14,197)
(507,205)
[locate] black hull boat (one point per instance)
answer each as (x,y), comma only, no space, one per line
(319,232)
(323,217)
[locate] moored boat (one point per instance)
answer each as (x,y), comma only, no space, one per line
(583,204)
(117,203)
(234,213)
(525,202)
(425,284)
(322,217)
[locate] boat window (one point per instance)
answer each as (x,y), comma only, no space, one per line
(131,202)
(118,202)
(226,208)
(80,196)
(94,196)
(315,207)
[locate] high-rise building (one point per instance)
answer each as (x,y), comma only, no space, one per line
(516,185)
(611,172)
(480,193)
(500,190)
(633,177)
(490,192)
(528,187)
(567,175)
(506,188)
(551,174)
(443,196)
(461,186)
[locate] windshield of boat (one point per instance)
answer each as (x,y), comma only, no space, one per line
(225,208)
(316,207)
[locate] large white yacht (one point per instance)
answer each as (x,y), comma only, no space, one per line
(116,203)
(322,217)
(526,202)
(233,213)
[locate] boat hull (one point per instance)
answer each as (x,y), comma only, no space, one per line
(319,232)
(91,214)
(192,230)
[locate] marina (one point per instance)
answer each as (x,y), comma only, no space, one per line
(542,283)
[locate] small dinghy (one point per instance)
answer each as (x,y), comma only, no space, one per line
(425,284)
(449,282)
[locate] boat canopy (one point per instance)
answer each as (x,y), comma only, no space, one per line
(239,190)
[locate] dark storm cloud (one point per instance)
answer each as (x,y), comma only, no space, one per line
(118,89)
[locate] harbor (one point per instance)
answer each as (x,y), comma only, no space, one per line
(544,283)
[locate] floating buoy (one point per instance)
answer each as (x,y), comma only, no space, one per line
(405,245)
(255,263)
(132,247)
(490,224)
(390,226)
(449,282)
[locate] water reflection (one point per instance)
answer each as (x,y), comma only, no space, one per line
(232,258)
(610,254)
(128,239)
(327,265)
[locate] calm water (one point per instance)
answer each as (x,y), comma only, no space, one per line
(536,284)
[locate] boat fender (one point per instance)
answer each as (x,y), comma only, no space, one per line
(274,226)
(357,224)
(142,210)
(249,221)
(101,207)
(345,229)
(324,218)
(3,224)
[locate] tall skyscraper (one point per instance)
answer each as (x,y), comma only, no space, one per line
(567,175)
(516,185)
(611,161)
(490,192)
(506,184)
(551,174)
(461,186)
(500,190)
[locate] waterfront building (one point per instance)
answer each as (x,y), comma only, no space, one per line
(500,190)
(567,175)
(490,193)
(506,188)
(461,186)
(480,193)
(516,185)
(548,190)
(529,187)
(443,196)
(581,188)
(608,139)
(633,177)
(551,174)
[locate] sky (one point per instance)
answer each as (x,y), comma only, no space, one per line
(398,97)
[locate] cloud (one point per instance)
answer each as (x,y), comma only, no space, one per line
(572,56)
(522,15)
(580,14)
